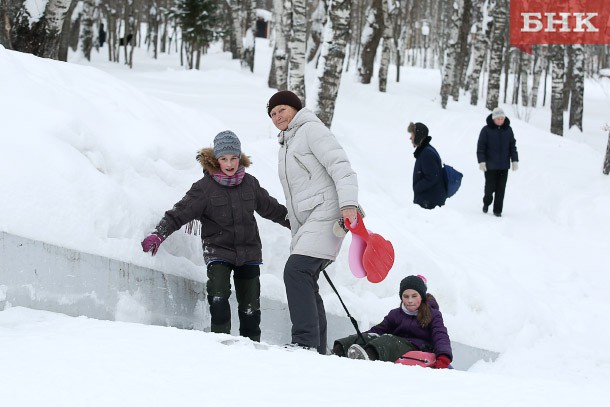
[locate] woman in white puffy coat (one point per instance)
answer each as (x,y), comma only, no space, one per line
(320,187)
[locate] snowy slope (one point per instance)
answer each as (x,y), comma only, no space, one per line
(91,156)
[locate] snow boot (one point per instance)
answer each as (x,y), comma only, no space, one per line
(357,352)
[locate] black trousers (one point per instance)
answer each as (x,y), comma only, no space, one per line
(305,305)
(247,291)
(387,348)
(495,185)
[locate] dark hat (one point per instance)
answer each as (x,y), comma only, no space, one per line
(414,283)
(284,97)
(421,132)
(226,142)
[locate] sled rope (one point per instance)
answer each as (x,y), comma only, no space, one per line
(344,307)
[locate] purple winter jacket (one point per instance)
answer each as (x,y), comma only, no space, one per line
(432,338)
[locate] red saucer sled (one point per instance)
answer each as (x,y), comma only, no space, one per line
(354,256)
(417,358)
(378,256)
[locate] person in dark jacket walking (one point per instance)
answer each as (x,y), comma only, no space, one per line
(496,149)
(101,36)
(224,201)
(428,186)
(416,325)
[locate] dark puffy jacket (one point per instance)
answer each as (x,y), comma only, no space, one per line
(497,146)
(428,185)
(433,337)
(229,230)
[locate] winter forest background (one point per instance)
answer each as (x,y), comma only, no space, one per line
(466,39)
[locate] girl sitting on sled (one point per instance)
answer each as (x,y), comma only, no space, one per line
(417,325)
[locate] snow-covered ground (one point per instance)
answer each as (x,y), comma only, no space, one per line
(92,154)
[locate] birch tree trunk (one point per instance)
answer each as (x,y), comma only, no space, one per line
(86,28)
(64,42)
(272,78)
(236,32)
(154,18)
(524,73)
(356,24)
(558,68)
(607,160)
(297,46)
(442,13)
(398,34)
(371,35)
(578,85)
(540,61)
(54,15)
(462,49)
(386,49)
(164,33)
(480,43)
(278,75)
(500,17)
(332,56)
(318,21)
(8,12)
(567,77)
(132,24)
(250,41)
(112,17)
(42,37)
(452,52)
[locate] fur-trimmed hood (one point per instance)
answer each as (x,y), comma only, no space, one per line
(210,165)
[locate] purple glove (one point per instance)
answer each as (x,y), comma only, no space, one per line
(152,242)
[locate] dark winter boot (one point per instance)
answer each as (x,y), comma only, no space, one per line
(219,290)
(338,350)
(220,310)
(248,291)
(249,325)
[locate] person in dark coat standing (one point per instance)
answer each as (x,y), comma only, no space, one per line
(101,35)
(496,149)
(224,201)
(428,186)
(416,325)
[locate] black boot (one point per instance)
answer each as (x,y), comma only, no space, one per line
(220,311)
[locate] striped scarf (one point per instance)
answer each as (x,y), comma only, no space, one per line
(230,180)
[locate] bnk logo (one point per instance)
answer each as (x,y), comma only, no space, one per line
(559,22)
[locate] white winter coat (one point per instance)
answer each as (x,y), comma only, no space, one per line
(318,180)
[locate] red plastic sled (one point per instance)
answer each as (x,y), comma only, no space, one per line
(417,358)
(378,257)
(356,251)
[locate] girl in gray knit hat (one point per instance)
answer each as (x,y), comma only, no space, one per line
(224,201)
